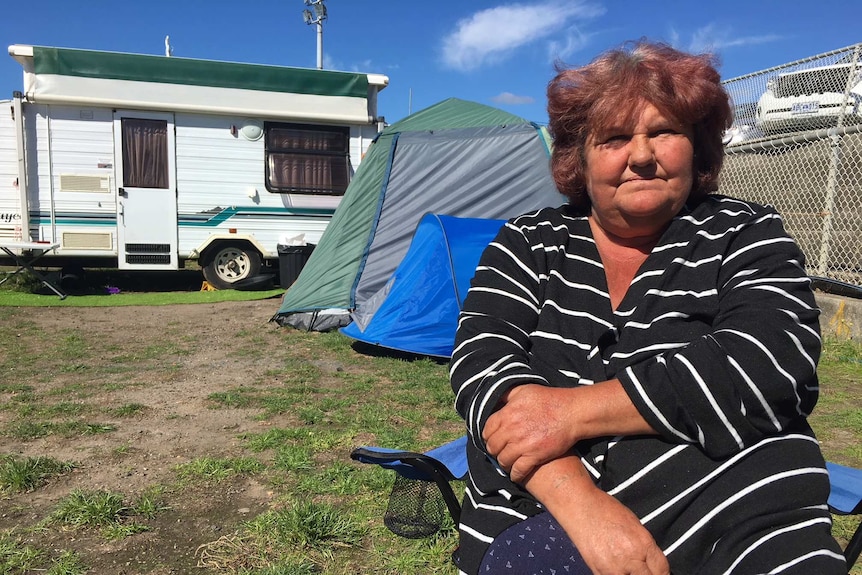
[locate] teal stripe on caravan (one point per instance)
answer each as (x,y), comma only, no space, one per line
(186,71)
(77,219)
(213,220)
(189,220)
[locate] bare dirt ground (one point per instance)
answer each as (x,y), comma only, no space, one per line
(178,425)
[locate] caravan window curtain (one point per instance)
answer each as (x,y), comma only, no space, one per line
(145,153)
(307,159)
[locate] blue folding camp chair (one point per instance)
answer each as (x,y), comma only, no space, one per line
(845,498)
(422,485)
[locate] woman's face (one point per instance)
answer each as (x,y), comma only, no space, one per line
(639,176)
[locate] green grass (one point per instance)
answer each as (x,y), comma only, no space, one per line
(106,511)
(15,299)
(313,403)
(151,502)
(19,293)
(90,509)
(294,539)
(215,469)
(327,513)
(29,429)
(128,410)
(68,563)
(19,474)
(293,458)
(837,419)
(305,524)
(17,557)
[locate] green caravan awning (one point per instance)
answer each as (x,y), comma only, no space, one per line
(75,77)
(187,71)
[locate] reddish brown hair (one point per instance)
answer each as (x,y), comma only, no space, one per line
(614,86)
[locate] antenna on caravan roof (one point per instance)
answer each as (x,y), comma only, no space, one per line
(169,50)
(317,18)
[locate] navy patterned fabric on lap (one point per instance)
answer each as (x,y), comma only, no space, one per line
(535,546)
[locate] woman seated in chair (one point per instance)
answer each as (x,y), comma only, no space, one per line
(636,367)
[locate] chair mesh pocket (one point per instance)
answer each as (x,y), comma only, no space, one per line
(415,508)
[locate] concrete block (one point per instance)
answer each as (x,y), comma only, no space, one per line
(840,317)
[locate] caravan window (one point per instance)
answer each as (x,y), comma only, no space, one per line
(307,159)
(145,153)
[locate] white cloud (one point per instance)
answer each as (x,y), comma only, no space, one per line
(512,99)
(491,35)
(330,63)
(712,38)
(366,66)
(363,66)
(674,38)
(573,41)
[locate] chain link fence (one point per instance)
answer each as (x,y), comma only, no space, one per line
(796,144)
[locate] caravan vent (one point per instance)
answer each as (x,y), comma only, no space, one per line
(148,259)
(148,248)
(86,241)
(76,183)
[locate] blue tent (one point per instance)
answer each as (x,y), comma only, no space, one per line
(417,310)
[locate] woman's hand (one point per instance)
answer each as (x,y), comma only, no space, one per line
(536,423)
(610,538)
(533,426)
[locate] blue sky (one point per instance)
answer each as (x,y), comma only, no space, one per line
(495,52)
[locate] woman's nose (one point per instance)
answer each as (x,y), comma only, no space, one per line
(641,151)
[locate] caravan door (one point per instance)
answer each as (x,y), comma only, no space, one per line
(145,167)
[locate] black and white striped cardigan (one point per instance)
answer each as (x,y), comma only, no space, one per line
(716,342)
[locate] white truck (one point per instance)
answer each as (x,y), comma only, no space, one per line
(141,162)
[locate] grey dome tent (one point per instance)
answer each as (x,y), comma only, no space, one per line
(457,158)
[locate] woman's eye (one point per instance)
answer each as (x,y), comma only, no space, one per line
(616,140)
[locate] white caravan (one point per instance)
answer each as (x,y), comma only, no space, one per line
(143,162)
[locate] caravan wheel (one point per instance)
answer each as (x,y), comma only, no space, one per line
(228,264)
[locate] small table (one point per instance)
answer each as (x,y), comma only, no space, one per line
(30,252)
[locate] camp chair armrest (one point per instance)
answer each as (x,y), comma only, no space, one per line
(417,466)
(402,462)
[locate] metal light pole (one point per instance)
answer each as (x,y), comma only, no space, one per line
(317,19)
